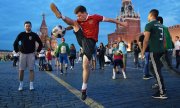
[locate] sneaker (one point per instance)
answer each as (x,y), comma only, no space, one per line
(31,87)
(146,77)
(20,87)
(159,96)
(84,95)
(55,10)
(113,77)
(155,86)
(61,72)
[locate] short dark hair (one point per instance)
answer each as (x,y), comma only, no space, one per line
(159,18)
(27,22)
(80,8)
(154,12)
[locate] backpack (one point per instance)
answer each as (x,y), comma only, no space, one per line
(47,67)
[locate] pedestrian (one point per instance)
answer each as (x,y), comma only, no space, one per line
(146,75)
(123,48)
(72,56)
(86,29)
(48,56)
(63,50)
(41,59)
(136,51)
(154,37)
(168,44)
(27,53)
(118,61)
(15,58)
(102,51)
(177,49)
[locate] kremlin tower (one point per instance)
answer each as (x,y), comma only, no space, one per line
(132,31)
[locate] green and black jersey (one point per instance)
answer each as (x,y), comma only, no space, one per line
(156,38)
(168,39)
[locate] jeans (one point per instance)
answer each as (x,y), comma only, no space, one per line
(146,65)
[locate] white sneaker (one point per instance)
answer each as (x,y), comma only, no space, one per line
(124,75)
(31,87)
(20,87)
(113,77)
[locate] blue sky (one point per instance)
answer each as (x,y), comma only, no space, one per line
(15,12)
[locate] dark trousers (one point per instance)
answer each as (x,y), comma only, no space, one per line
(136,61)
(157,65)
(101,61)
(177,58)
(71,59)
(15,61)
(168,57)
(41,61)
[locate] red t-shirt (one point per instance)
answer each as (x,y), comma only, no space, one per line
(118,57)
(48,56)
(90,27)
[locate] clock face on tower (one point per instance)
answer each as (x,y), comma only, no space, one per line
(122,9)
(130,7)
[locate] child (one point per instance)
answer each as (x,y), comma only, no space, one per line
(117,59)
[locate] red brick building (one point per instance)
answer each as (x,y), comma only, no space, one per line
(174,31)
(132,31)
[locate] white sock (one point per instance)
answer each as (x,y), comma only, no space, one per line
(31,83)
(124,74)
(21,82)
(84,86)
(114,73)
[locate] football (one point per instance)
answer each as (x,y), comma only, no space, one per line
(58,31)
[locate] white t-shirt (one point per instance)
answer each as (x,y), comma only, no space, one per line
(15,54)
(177,45)
(42,53)
(63,49)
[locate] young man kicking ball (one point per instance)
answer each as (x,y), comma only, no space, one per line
(86,29)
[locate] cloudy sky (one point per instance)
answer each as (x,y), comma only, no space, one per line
(15,12)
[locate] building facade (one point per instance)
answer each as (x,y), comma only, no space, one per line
(174,31)
(132,31)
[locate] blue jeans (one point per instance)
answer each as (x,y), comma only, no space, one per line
(63,57)
(146,65)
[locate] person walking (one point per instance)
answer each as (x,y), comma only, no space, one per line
(63,50)
(72,56)
(177,49)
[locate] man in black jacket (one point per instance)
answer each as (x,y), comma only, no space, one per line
(27,51)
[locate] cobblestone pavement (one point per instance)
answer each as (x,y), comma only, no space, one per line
(53,90)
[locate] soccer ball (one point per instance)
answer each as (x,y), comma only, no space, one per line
(58,31)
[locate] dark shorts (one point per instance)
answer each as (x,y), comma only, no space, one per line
(118,63)
(87,44)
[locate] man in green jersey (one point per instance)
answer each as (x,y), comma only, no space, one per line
(168,44)
(154,37)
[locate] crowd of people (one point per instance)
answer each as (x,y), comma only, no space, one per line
(154,45)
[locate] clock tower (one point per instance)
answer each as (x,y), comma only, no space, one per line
(132,31)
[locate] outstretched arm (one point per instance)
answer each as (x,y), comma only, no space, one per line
(69,28)
(115,21)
